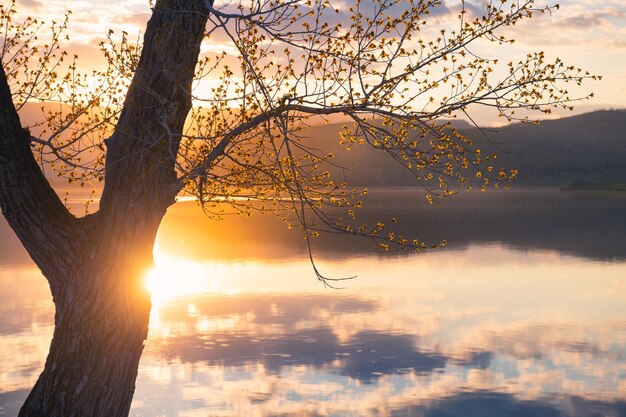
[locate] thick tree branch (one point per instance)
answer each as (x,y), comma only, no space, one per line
(28,202)
(141,153)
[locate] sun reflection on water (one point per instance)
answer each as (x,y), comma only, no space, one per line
(176,277)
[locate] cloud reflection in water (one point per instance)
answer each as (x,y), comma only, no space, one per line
(337,355)
(480,331)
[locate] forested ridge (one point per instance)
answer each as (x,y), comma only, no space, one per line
(589,147)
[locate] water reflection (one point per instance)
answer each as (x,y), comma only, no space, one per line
(534,334)
(480,330)
(496,404)
(26,325)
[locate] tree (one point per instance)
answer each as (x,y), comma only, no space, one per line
(243,145)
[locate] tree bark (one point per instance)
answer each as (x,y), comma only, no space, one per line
(96,265)
(141,153)
(101,323)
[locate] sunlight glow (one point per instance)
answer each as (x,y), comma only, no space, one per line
(173,277)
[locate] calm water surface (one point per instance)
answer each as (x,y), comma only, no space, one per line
(524,314)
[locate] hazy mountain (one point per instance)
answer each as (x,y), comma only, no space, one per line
(590,147)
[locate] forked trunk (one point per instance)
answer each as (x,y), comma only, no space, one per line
(95,266)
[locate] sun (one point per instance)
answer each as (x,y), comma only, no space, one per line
(174,277)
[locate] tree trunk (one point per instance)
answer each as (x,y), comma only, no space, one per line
(96,265)
(101,323)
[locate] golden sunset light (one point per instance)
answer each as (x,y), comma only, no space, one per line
(312,208)
(563,33)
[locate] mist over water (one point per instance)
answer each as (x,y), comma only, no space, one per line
(583,224)
(523,314)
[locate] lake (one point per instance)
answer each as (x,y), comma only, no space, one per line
(522,314)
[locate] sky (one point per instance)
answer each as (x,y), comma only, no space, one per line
(590,34)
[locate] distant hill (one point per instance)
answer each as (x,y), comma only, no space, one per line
(586,148)
(590,148)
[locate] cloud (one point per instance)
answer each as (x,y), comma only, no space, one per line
(284,310)
(481,404)
(289,330)
(373,354)
(585,21)
(137,19)
(32,4)
(366,357)
(495,404)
